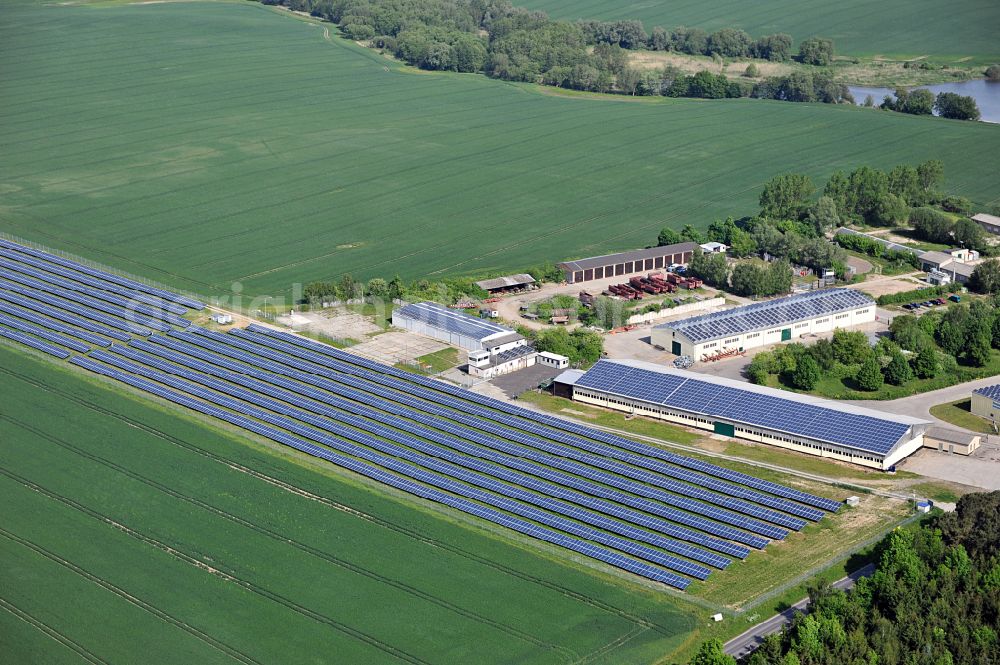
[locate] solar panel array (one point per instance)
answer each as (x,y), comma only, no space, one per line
(453,321)
(695,394)
(777,313)
(102,275)
(558,423)
(634,507)
(214,363)
(496,516)
(993,392)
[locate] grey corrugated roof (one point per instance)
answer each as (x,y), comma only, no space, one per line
(624,257)
(768,314)
(952,436)
(439,316)
(505,282)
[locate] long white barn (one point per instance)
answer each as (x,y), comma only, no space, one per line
(763,323)
(733,408)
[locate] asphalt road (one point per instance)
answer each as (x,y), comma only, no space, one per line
(743,644)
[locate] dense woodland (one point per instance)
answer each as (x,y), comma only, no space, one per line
(933,600)
(516,44)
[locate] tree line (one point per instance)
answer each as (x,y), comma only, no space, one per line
(516,44)
(918,348)
(934,599)
(923,102)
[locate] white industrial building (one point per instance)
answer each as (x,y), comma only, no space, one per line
(493,349)
(733,408)
(763,323)
(450,326)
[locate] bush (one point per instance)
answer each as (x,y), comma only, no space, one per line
(816,51)
(751,71)
(870,377)
(918,294)
(993,72)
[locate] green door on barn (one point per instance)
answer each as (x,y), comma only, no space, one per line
(723,428)
(786,334)
(675,348)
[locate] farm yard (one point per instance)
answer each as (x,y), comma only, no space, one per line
(962,30)
(177,158)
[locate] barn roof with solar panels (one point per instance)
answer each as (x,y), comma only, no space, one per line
(993,392)
(777,313)
(814,418)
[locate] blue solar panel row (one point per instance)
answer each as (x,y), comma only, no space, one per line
(448,469)
(97,299)
(524,425)
(503,501)
(993,392)
(103,275)
(775,412)
(34,343)
(75,281)
(49,324)
(86,302)
(206,340)
(215,363)
(556,423)
(588,549)
(19,306)
(371,422)
(86,312)
(47,335)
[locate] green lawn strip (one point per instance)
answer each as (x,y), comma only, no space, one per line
(937,491)
(447,547)
(960,413)
(415,177)
(605,418)
(833,537)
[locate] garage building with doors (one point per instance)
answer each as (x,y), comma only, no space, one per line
(627,264)
(763,323)
(732,408)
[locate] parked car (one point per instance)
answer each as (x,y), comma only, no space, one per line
(955,298)
(909,306)
(939,301)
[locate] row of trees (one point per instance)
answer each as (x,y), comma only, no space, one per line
(846,354)
(866,194)
(345,289)
(727,42)
(934,599)
(923,102)
(515,44)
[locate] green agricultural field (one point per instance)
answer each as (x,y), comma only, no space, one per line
(858,27)
(203,145)
(129,533)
